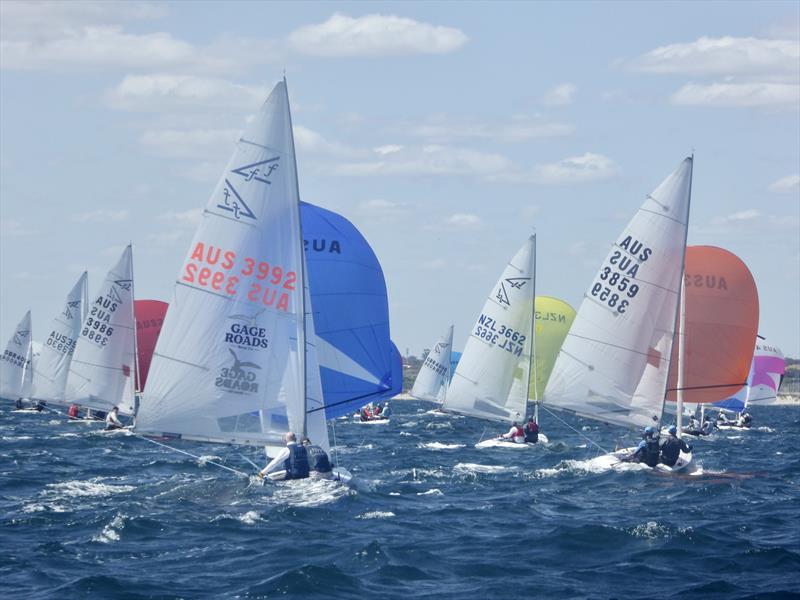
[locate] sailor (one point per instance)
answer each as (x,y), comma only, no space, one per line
(708,427)
(290,463)
(722,418)
(112,420)
(72,413)
(672,448)
(515,434)
(648,451)
(366,413)
(318,462)
(18,405)
(376,412)
(531,431)
(746,419)
(387,411)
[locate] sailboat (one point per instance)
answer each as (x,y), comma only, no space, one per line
(614,364)
(52,366)
(492,378)
(16,373)
(434,374)
(236,361)
(769,366)
(102,373)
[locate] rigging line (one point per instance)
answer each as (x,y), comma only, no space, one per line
(324,406)
(580,433)
(211,462)
(707,387)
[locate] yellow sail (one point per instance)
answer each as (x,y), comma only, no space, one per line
(553,319)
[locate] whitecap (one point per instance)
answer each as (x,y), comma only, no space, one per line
(650,530)
(431,492)
(91,488)
(111,531)
(439,446)
(376,514)
(476,468)
(206,458)
(251,517)
(308,492)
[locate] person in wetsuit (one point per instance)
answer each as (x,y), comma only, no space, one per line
(319,463)
(671,449)
(531,431)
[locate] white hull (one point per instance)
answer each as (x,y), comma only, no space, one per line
(358,421)
(733,427)
(498,443)
(615,459)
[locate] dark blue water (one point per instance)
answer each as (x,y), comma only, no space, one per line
(91,515)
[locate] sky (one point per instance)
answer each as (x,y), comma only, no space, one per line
(445,132)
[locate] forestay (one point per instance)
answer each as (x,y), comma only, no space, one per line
(15,363)
(230,362)
(491,380)
(103,367)
(434,374)
(358,362)
(53,363)
(614,363)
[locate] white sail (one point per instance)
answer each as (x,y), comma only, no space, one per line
(491,380)
(614,363)
(433,376)
(15,363)
(52,364)
(103,366)
(226,366)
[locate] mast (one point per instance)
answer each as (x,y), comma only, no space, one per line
(137,376)
(681,349)
(532,361)
(301,331)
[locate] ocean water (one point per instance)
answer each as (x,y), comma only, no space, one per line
(84,514)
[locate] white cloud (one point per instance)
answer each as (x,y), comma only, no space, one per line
(737,217)
(101,216)
(309,141)
(517,130)
(161,91)
(560,95)
(196,143)
(430,160)
(724,56)
(387,149)
(575,169)
(463,220)
(379,209)
(790,183)
(187,218)
(374,35)
(15,228)
(738,94)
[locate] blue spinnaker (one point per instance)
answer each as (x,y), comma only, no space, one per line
(358,361)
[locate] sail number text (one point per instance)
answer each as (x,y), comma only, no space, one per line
(497,334)
(216,269)
(615,285)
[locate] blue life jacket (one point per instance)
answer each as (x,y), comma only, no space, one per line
(652,452)
(296,466)
(318,459)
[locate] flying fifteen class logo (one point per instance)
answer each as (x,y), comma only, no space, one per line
(515,282)
(440,347)
(21,335)
(125,284)
(259,171)
(71,305)
(233,202)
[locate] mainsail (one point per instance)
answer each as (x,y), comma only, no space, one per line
(103,366)
(231,364)
(614,363)
(52,365)
(492,377)
(720,328)
(15,363)
(434,374)
(358,362)
(552,320)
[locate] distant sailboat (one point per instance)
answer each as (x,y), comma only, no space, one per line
(434,374)
(52,365)
(615,361)
(16,372)
(769,366)
(236,361)
(103,369)
(493,376)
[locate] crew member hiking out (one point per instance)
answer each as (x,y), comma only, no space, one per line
(290,463)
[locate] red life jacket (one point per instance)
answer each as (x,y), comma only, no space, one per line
(73,411)
(519,432)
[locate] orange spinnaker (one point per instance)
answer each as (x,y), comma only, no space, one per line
(149,319)
(721,326)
